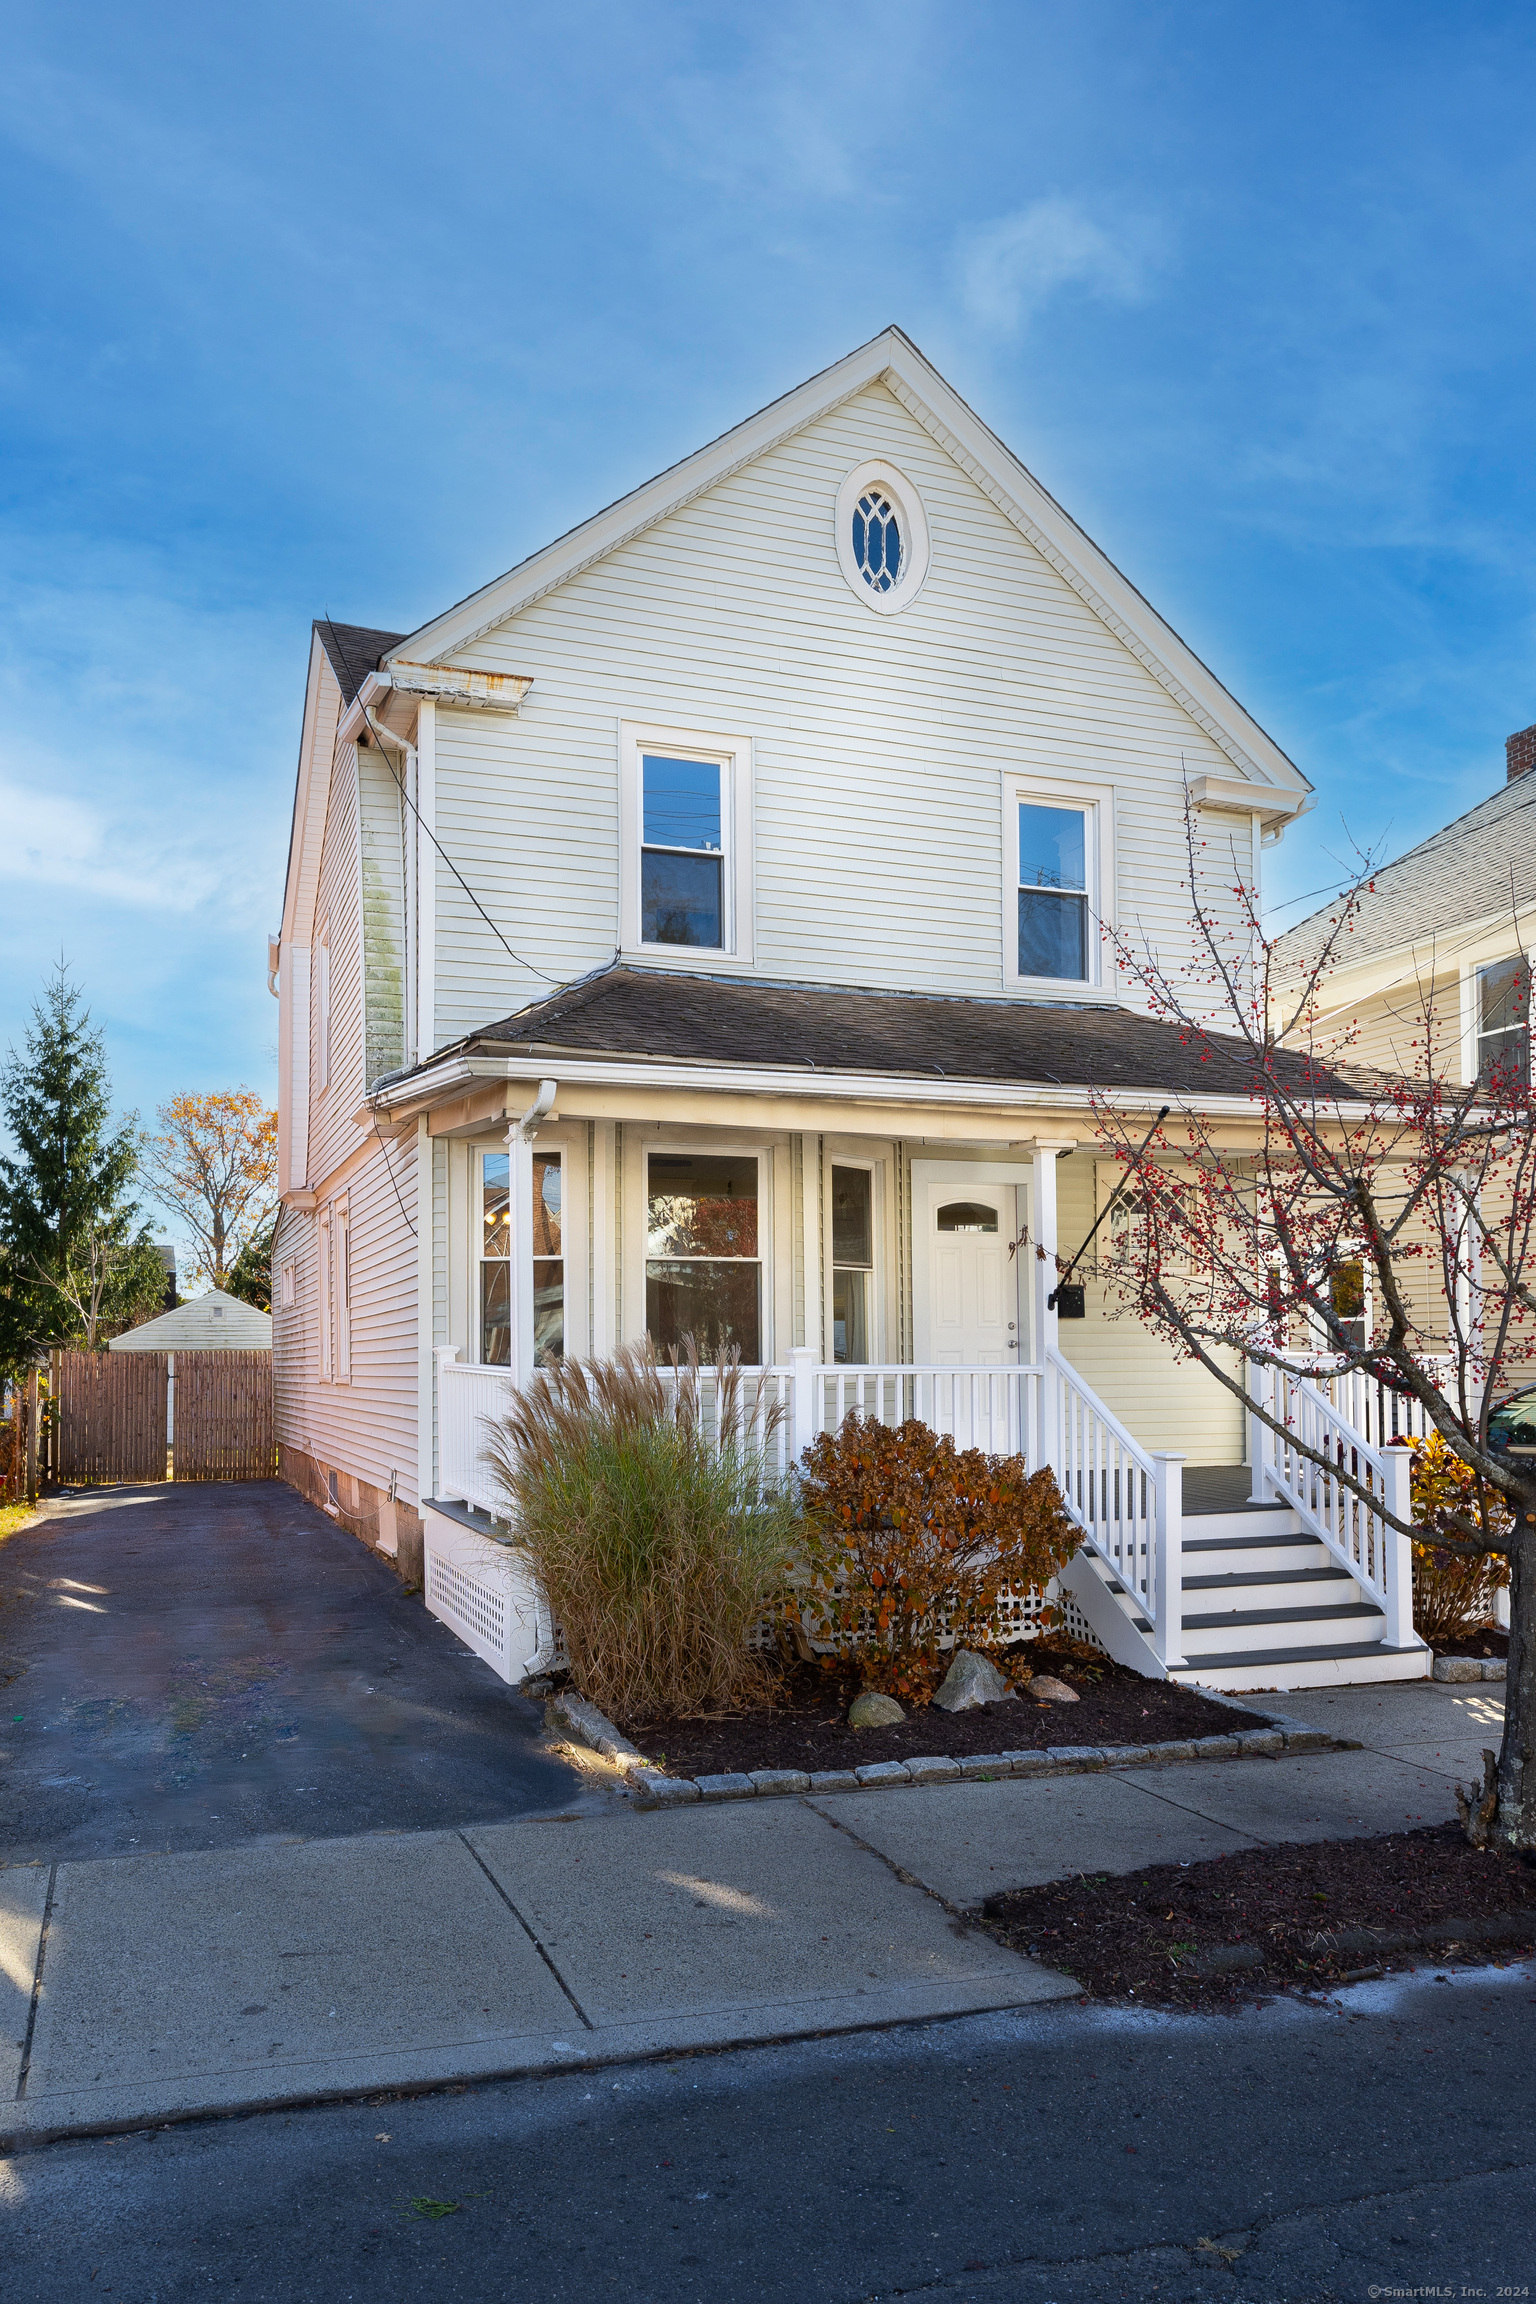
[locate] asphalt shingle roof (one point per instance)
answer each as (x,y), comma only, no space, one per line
(698,1019)
(354,651)
(1481,863)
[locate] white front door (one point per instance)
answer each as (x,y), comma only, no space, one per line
(967,1296)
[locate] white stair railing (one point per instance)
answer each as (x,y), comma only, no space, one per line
(1128,1501)
(1350,1525)
(469,1400)
(996,1409)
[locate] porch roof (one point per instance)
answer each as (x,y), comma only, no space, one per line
(635,1014)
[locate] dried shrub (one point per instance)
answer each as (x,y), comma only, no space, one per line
(645,1502)
(910,1539)
(1452,1594)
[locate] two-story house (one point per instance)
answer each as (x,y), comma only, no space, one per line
(703,930)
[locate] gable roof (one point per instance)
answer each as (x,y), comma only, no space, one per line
(797,1028)
(893,360)
(1462,877)
(211,1323)
(354,651)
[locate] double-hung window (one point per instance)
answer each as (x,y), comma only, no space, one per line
(853,1236)
(1504,1023)
(1058,863)
(702,1274)
(496,1261)
(686,833)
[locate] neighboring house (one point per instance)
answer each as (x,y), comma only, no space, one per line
(1447,930)
(211,1323)
(698,931)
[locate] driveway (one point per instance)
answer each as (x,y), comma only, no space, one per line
(194,1667)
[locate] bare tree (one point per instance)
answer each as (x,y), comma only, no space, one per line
(1248,1248)
(214,1162)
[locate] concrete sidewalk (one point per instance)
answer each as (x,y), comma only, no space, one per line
(155,1987)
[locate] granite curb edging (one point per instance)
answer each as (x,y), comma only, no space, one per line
(1462,1671)
(653,1789)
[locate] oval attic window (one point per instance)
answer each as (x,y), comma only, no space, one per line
(877,546)
(967,1216)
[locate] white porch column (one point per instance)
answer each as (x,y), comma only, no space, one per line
(805,1405)
(1168,1624)
(520,1138)
(1261,1441)
(1397,1551)
(1042,1229)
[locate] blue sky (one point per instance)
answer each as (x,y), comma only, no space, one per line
(332,309)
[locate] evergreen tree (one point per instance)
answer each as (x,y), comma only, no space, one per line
(76,1263)
(250,1275)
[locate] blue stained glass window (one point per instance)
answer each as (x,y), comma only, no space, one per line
(877,546)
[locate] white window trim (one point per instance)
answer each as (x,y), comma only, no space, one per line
(738,928)
(341,1249)
(323,1009)
(1097,802)
(1472,1007)
(874,1168)
(766,1259)
(879,472)
(287,1287)
(323,1258)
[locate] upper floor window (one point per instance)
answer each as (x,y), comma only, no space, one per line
(882,537)
(685,809)
(1504,1023)
(682,857)
(1057,847)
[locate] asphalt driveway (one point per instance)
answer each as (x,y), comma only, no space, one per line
(195,1667)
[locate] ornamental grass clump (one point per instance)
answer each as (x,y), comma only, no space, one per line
(911,1540)
(651,1515)
(1453,1595)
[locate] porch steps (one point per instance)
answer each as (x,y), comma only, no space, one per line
(1268,1607)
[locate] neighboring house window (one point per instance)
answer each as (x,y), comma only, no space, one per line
(1059,861)
(882,537)
(323,1009)
(702,1275)
(686,836)
(496,1267)
(1349,1301)
(853,1234)
(341,1253)
(287,1289)
(1504,1021)
(324,1247)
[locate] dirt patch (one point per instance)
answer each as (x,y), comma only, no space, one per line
(1485,1643)
(807,1726)
(1267,1919)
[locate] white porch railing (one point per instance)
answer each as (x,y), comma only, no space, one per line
(1128,1500)
(1353,1530)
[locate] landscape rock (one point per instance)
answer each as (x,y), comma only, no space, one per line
(970,1681)
(834,1780)
(592,1728)
(872,1710)
(660,1791)
(1050,1690)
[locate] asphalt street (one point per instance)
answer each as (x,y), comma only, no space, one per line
(201,1666)
(1378,2144)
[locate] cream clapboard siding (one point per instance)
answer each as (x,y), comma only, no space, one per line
(295,1330)
(1164,1402)
(880,742)
(333,1133)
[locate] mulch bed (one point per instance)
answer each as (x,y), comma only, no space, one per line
(1484,1643)
(807,1726)
(1148,1935)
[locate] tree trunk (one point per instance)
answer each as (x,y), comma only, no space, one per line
(1516,1825)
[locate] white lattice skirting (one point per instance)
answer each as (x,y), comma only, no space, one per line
(482,1591)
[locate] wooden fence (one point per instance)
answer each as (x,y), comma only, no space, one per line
(223,1416)
(109,1417)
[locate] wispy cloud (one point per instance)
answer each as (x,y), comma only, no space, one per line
(1010,268)
(54,841)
